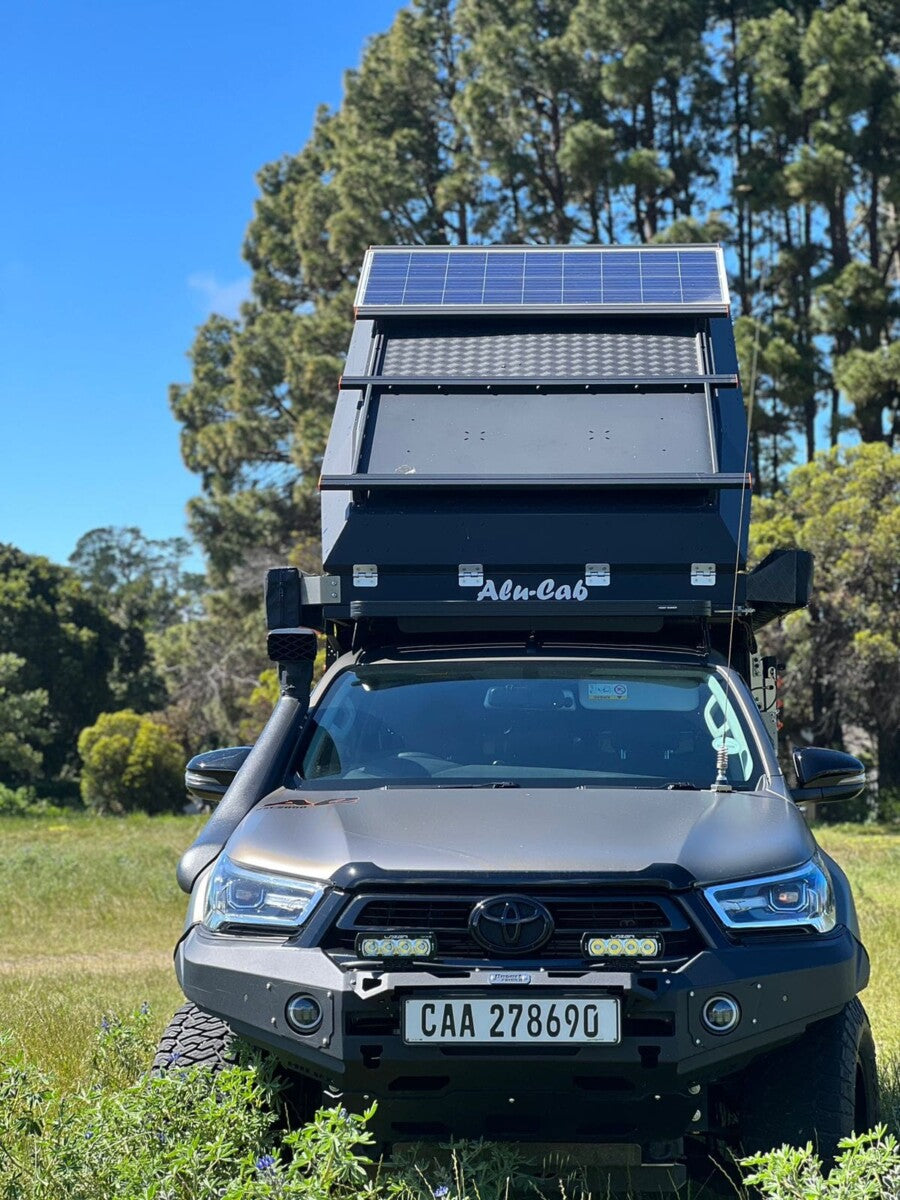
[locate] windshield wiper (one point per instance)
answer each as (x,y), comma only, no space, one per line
(494,783)
(682,785)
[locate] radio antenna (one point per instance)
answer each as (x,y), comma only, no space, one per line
(721,783)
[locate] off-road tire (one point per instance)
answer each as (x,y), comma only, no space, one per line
(819,1089)
(193,1038)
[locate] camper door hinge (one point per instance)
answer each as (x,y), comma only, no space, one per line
(596,574)
(365,575)
(471,574)
(703,574)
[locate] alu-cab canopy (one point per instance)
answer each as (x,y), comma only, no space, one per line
(540,436)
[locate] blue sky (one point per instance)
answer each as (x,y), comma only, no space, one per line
(131,134)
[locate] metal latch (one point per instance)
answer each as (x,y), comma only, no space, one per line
(596,574)
(703,574)
(471,574)
(365,575)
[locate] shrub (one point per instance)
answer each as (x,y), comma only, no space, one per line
(868,1168)
(131,762)
(25,802)
(171,1137)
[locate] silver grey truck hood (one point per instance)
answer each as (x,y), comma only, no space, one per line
(712,836)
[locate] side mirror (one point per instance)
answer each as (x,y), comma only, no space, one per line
(825,775)
(208,775)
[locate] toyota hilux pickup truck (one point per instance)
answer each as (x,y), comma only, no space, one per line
(524,865)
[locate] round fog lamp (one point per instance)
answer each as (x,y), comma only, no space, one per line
(304,1014)
(720,1014)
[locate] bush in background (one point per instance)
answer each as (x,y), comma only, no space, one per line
(131,763)
(25,802)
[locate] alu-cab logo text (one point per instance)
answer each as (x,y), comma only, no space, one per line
(547,589)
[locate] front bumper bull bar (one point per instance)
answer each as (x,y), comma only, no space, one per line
(653,1083)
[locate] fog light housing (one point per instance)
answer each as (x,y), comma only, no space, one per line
(720,1014)
(304,1014)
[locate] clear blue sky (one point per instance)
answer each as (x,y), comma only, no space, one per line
(131,134)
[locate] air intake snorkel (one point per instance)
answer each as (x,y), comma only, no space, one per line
(293,648)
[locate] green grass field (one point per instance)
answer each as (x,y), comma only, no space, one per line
(91,911)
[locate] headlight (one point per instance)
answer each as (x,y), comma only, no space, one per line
(239,898)
(801,897)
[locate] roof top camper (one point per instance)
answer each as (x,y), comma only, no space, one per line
(537,438)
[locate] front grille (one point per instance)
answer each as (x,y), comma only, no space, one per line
(447,917)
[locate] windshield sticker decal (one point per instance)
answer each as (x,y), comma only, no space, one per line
(601,693)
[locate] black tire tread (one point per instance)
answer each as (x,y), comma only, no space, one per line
(806,1092)
(194,1038)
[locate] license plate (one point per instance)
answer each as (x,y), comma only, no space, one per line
(507,1022)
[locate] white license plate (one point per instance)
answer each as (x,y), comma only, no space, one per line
(504,1022)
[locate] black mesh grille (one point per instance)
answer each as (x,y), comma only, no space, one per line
(291,647)
(447,917)
(615,352)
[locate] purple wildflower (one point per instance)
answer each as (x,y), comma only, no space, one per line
(265,1163)
(440,1192)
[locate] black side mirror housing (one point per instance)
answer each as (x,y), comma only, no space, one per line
(824,775)
(208,775)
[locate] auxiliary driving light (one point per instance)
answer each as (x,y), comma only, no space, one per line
(303,1014)
(720,1014)
(627,946)
(395,945)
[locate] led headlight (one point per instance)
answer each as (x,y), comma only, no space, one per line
(241,899)
(801,897)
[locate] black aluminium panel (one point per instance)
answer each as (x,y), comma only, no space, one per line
(542,278)
(557,434)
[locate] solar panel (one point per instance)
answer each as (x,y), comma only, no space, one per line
(429,279)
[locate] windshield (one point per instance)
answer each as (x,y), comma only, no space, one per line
(526,724)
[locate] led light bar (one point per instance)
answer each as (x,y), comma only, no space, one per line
(631,945)
(395,945)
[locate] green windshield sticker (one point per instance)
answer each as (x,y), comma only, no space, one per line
(601,693)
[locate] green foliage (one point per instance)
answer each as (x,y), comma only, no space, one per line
(174,1136)
(25,802)
(868,1168)
(139,580)
(141,584)
(68,644)
(23,722)
(211,666)
(844,650)
(131,763)
(186,1135)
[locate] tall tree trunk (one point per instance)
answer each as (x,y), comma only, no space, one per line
(888,747)
(834,424)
